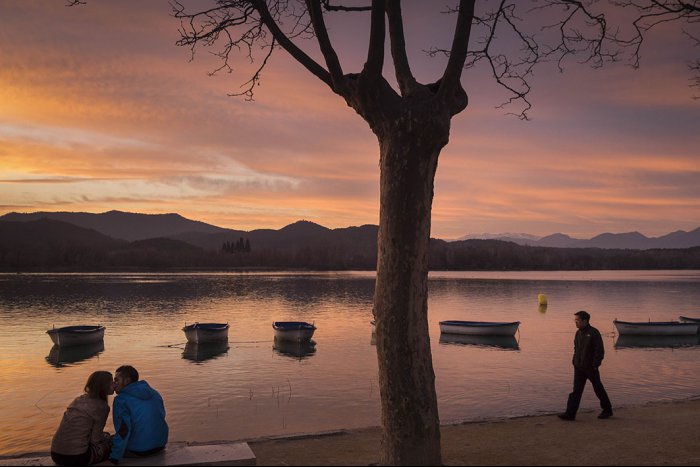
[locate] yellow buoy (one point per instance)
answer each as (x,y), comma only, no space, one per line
(542,299)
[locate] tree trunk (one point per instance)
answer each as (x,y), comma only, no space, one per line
(410,422)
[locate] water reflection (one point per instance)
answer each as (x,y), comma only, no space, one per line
(501,342)
(145,313)
(199,353)
(65,356)
(656,342)
(293,349)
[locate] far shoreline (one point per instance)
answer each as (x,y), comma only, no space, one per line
(243,270)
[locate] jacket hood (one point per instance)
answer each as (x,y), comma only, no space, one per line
(140,390)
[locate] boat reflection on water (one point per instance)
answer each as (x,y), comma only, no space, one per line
(300,350)
(499,342)
(656,342)
(199,353)
(65,356)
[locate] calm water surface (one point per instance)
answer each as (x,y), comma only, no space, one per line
(250,388)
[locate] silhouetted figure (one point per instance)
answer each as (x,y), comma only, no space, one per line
(80,438)
(588,356)
(139,417)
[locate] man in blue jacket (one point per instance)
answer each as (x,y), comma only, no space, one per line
(139,417)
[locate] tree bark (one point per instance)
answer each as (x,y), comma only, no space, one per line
(409,148)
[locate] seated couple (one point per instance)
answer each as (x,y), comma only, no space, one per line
(139,421)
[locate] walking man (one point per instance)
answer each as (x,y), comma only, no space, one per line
(588,356)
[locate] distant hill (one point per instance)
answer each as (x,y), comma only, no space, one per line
(350,244)
(629,240)
(298,235)
(122,225)
(46,242)
(49,245)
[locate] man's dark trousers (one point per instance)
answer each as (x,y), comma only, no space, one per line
(580,377)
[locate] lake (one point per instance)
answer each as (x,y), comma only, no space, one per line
(249,388)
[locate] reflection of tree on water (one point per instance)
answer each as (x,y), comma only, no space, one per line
(293,349)
(65,356)
(199,353)
(500,342)
(656,342)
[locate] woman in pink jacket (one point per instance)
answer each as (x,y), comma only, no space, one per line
(80,438)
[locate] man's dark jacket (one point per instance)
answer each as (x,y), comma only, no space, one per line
(588,348)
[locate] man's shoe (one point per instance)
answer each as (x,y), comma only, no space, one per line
(566,416)
(605,414)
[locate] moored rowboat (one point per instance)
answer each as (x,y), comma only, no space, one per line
(686,319)
(658,328)
(76,335)
(479,328)
(293,330)
(202,333)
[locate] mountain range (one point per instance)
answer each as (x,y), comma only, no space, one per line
(119,241)
(629,240)
(134,226)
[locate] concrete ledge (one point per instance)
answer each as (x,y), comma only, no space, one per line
(206,454)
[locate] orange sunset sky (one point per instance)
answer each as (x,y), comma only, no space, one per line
(99,110)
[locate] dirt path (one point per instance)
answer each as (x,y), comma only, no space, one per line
(654,434)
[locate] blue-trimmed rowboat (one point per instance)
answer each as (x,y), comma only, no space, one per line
(202,333)
(658,328)
(293,330)
(479,328)
(76,335)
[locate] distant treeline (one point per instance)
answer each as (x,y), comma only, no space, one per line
(56,246)
(498,255)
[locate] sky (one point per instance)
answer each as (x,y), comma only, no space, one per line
(100,110)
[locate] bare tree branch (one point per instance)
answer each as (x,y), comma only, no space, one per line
(458,52)
(328,7)
(377,37)
(404,75)
(242,26)
(324,42)
(555,31)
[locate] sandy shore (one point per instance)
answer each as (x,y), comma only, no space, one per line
(653,434)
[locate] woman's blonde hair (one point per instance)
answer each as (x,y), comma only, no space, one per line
(98,384)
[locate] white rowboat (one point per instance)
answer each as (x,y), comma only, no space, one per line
(76,335)
(479,328)
(203,333)
(294,331)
